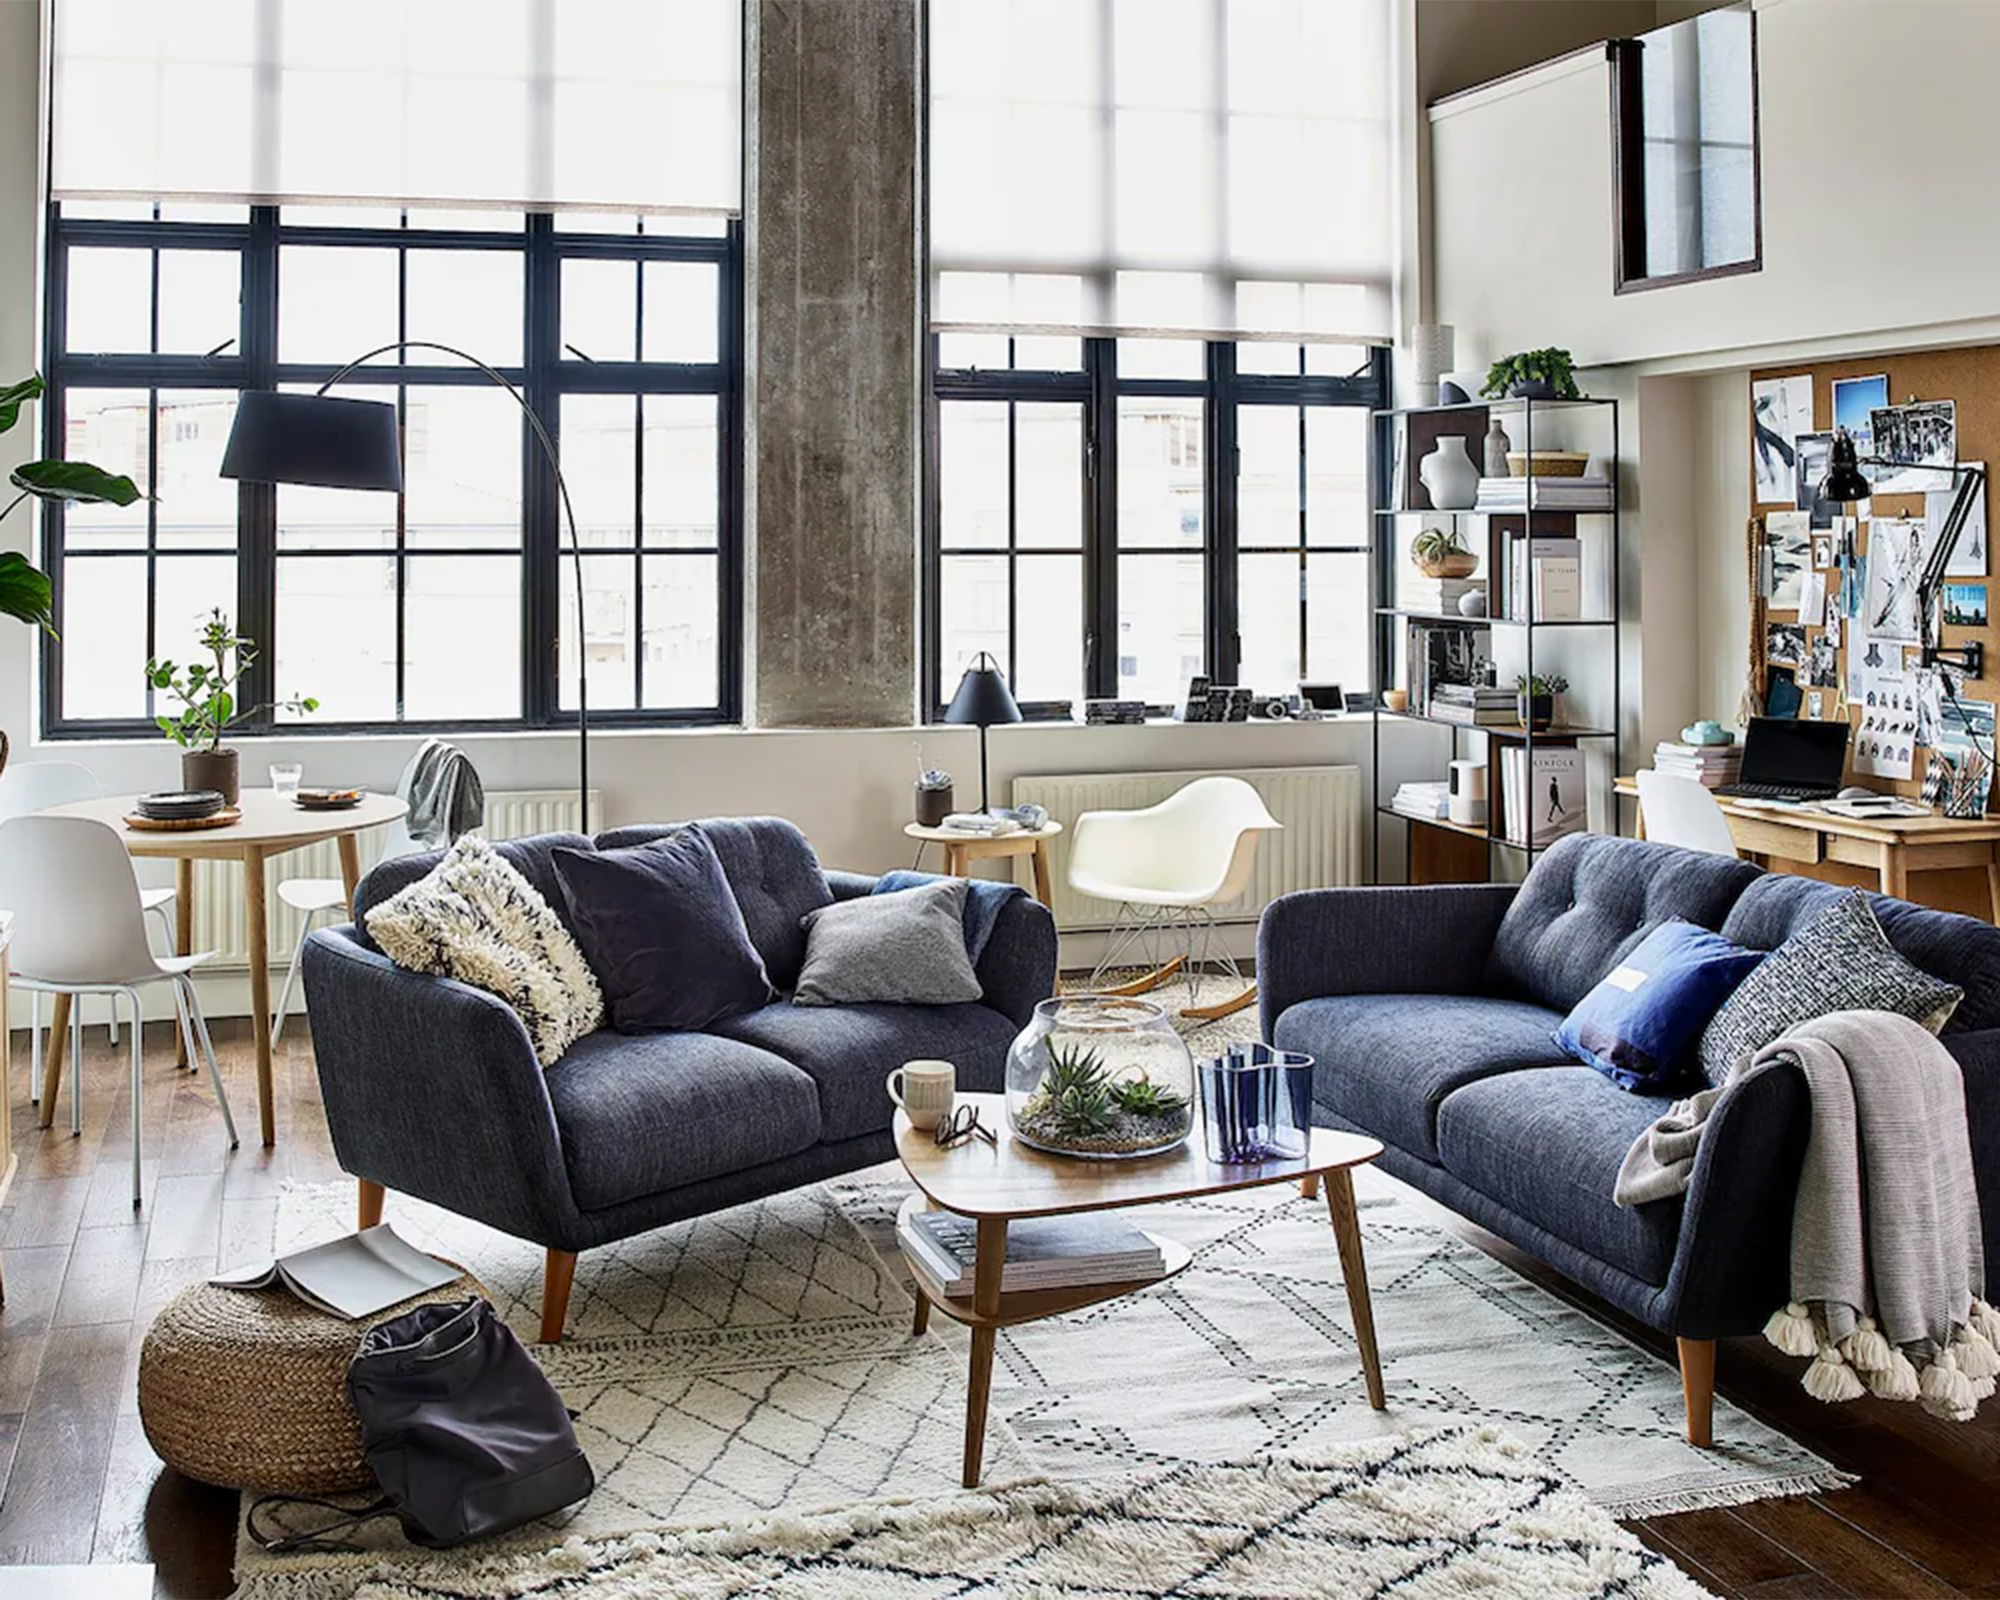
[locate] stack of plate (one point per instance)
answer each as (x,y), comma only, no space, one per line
(182,806)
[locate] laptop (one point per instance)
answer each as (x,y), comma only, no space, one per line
(1791,759)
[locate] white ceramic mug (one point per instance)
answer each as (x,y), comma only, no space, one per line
(927,1091)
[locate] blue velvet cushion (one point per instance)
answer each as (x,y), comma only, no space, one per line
(662,931)
(1640,1025)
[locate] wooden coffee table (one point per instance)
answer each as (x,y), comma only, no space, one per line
(995,1185)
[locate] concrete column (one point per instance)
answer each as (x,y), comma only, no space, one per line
(833,382)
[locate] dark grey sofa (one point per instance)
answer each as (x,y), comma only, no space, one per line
(1429,1012)
(432,1088)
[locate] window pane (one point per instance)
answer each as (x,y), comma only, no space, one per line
(1269,590)
(337,519)
(1160,472)
(1047,353)
(1337,621)
(682,504)
(1336,360)
(110,428)
(598,432)
(469,298)
(1048,476)
(972,474)
(1337,475)
(462,635)
(187,591)
(336,634)
(972,616)
(608,623)
(1161,358)
(104,637)
(1278,360)
(335,304)
(110,302)
(201,294)
(1267,476)
(681,632)
(681,313)
(980,352)
(461,468)
(1049,619)
(197,506)
(1159,626)
(600,310)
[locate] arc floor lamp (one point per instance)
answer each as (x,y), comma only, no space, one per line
(334,443)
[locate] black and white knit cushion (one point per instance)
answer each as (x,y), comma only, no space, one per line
(476,919)
(1839,961)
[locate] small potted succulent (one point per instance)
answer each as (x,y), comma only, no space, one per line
(1535,699)
(1533,375)
(1443,553)
(206,691)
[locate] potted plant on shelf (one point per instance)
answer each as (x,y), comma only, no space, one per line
(1533,375)
(206,691)
(25,592)
(1443,553)
(1535,699)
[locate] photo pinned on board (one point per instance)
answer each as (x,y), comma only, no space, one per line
(1811,452)
(1853,401)
(1965,605)
(1785,644)
(1780,410)
(1915,443)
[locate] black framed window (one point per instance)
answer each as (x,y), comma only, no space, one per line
(444,606)
(1110,517)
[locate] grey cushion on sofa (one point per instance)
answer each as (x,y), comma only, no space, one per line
(648,1112)
(906,948)
(1591,899)
(1385,1062)
(1547,1144)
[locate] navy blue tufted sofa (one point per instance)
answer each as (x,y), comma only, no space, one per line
(432,1088)
(1429,1012)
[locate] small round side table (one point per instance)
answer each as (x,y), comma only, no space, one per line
(961,850)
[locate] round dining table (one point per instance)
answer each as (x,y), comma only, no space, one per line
(270,825)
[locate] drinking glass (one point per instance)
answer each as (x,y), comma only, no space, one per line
(285,777)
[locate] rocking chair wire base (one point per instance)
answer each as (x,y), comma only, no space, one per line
(1150,930)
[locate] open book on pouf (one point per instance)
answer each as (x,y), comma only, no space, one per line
(353,1277)
(1042,1252)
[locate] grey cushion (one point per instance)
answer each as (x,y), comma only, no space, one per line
(849,1050)
(646,1113)
(1547,1145)
(1590,900)
(906,948)
(1840,960)
(1386,1061)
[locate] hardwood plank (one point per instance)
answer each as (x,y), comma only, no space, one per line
(186,1217)
(102,1279)
(50,1514)
(1837,1550)
(1958,1548)
(1807,1586)
(1653,1540)
(45,1211)
(34,1283)
(149,1513)
(249,1231)
(1736,1553)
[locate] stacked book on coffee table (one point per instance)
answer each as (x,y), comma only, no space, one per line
(1042,1252)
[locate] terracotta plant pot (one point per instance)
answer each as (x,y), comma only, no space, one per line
(211,769)
(1456,566)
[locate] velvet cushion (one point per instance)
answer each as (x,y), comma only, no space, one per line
(1640,1026)
(663,933)
(906,948)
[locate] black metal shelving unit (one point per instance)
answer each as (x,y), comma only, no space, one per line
(1489,535)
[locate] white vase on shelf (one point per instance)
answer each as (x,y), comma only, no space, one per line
(1449,475)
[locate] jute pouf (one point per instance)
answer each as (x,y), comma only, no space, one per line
(247,1388)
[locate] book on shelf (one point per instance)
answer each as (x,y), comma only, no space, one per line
(1545,580)
(1042,1252)
(1540,805)
(1427,802)
(1550,494)
(1440,595)
(1440,654)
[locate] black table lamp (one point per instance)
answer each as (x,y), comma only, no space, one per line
(331,443)
(983,701)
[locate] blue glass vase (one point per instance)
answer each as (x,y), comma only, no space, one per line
(1256,1104)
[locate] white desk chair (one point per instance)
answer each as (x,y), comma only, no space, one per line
(1167,867)
(1680,811)
(79,928)
(35,786)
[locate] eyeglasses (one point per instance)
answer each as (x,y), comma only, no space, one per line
(961,1125)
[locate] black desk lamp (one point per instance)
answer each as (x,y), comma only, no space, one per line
(331,443)
(983,701)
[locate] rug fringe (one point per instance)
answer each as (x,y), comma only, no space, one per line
(1722,1496)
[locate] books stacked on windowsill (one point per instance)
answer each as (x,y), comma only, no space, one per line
(1113,713)
(1475,705)
(1551,494)
(1710,765)
(1427,802)
(1042,1252)
(979,824)
(1437,597)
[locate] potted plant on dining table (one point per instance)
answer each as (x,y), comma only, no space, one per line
(207,693)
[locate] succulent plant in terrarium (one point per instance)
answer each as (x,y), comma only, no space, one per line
(1102,1076)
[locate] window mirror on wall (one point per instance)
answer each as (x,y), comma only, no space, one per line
(1684,119)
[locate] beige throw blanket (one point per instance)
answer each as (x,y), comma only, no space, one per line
(1887,1268)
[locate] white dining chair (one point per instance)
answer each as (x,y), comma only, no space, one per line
(32,786)
(1680,811)
(1167,868)
(80,929)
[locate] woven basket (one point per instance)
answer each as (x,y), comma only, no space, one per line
(247,1388)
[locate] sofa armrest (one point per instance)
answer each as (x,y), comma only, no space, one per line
(432,1088)
(850,885)
(1432,939)
(1017,969)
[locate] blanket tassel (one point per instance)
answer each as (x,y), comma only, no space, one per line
(1866,1350)
(1987,1321)
(1975,1355)
(1831,1379)
(1947,1392)
(1896,1381)
(1791,1330)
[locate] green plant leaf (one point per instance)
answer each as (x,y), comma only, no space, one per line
(74,480)
(25,592)
(13,396)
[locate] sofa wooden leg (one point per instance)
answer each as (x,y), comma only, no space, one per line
(371,1197)
(1698,1388)
(557,1276)
(1309,1186)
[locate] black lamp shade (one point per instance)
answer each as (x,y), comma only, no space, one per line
(1843,480)
(316,439)
(983,699)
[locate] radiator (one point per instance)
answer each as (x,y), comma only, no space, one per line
(218,885)
(1320,846)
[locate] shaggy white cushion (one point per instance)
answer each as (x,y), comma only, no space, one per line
(476,919)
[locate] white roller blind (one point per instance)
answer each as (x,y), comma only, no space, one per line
(1212,167)
(615,105)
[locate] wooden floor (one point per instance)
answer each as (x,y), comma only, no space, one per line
(84,1275)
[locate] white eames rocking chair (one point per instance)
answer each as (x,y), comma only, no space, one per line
(1167,867)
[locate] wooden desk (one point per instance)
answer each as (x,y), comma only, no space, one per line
(1789,839)
(272,824)
(961,850)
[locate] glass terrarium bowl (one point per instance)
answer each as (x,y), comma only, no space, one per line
(1100,1076)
